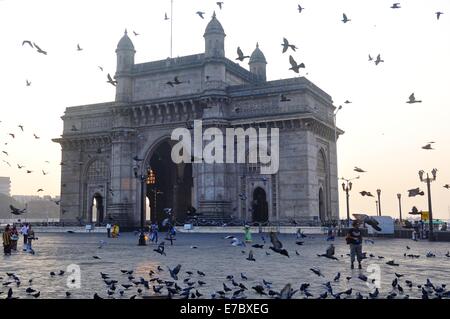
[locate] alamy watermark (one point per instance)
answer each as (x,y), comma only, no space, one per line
(213,146)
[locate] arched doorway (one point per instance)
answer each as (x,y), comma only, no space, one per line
(322,214)
(260,206)
(97,209)
(172,187)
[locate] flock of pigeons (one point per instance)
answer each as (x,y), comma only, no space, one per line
(191,283)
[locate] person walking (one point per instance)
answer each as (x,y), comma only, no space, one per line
(108,229)
(7,241)
(24,232)
(31,237)
(154,232)
(354,239)
(14,238)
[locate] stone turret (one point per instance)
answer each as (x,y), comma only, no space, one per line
(125,60)
(258,63)
(214,38)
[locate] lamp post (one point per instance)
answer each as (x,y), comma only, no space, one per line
(376,207)
(428,181)
(144,179)
(399,196)
(379,201)
(347,187)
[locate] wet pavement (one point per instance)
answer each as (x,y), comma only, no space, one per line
(217,258)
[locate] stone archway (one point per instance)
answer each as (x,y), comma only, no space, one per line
(172,187)
(260,206)
(323,186)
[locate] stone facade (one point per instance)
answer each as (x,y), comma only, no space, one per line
(99,142)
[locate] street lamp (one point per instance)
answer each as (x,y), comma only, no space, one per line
(399,196)
(379,201)
(347,187)
(428,181)
(144,179)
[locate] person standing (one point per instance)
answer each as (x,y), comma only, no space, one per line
(248,234)
(7,241)
(108,229)
(154,233)
(24,232)
(14,238)
(31,237)
(354,239)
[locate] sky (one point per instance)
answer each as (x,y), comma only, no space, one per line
(383,134)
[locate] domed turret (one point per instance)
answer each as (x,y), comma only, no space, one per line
(125,61)
(258,63)
(214,38)
(125,43)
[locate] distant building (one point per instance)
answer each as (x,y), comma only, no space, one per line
(23,199)
(5,185)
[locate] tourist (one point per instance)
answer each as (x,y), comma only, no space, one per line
(7,241)
(24,232)
(248,234)
(108,229)
(154,232)
(330,233)
(31,237)
(354,239)
(171,234)
(115,231)
(14,238)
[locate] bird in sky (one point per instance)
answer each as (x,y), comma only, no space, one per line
(79,48)
(200,14)
(28,82)
(412,99)
(414,192)
(12,135)
(40,190)
(447,186)
(359,170)
(101,68)
(220,4)
(364,193)
(347,102)
(29,171)
(396,6)
(344,18)
(427,147)
(378,60)
(286,45)
(27,42)
(44,173)
(165,16)
(5,152)
(300,9)
(20,166)
(39,50)
(370,58)
(36,137)
(294,66)
(16,211)
(135,33)
(438,14)
(110,80)
(241,55)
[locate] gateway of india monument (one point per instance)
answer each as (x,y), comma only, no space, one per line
(116,156)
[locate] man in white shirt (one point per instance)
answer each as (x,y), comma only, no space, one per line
(108,229)
(24,232)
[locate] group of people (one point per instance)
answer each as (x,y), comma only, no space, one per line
(112,230)
(11,237)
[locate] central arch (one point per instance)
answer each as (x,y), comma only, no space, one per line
(260,206)
(172,185)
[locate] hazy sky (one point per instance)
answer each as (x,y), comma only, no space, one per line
(383,134)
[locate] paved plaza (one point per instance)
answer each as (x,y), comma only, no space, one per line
(217,258)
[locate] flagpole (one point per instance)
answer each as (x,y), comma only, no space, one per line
(171,23)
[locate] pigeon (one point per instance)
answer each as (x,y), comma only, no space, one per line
(362,277)
(96,257)
(317,272)
(286,45)
(344,18)
(16,211)
(100,67)
(200,14)
(243,277)
(378,60)
(241,55)
(414,192)
(284,98)
(160,249)
(68,294)
(12,135)
(165,16)
(370,58)
(110,80)
(36,137)
(79,48)
(250,256)
(220,4)
(299,8)
(329,253)
(427,147)
(412,99)
(391,263)
(259,289)
(447,186)
(28,83)
(135,33)
(374,294)
(359,170)
(364,193)
(336,278)
(36,295)
(396,6)
(294,66)
(438,14)
(201,273)
(174,272)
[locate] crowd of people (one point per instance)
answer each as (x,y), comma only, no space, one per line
(11,237)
